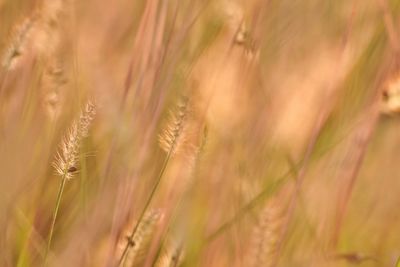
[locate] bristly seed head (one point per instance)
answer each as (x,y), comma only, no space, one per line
(67,158)
(265,242)
(18,43)
(139,243)
(172,137)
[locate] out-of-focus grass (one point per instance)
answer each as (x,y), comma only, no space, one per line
(292,117)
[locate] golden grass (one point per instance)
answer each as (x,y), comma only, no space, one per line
(227,133)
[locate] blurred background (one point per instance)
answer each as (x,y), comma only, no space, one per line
(271,126)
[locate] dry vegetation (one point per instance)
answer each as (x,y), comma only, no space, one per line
(199,133)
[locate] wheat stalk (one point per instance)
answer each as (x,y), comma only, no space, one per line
(66,161)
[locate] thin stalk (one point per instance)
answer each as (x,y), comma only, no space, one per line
(249,206)
(174,215)
(176,209)
(266,192)
(55,212)
(160,175)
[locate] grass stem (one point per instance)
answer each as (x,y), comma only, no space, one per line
(55,213)
(146,206)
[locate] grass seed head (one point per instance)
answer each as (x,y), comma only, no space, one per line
(66,162)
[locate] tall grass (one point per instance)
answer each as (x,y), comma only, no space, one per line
(283,151)
(66,162)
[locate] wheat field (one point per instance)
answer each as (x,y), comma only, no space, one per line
(254,133)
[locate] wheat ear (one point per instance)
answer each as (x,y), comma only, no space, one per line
(66,161)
